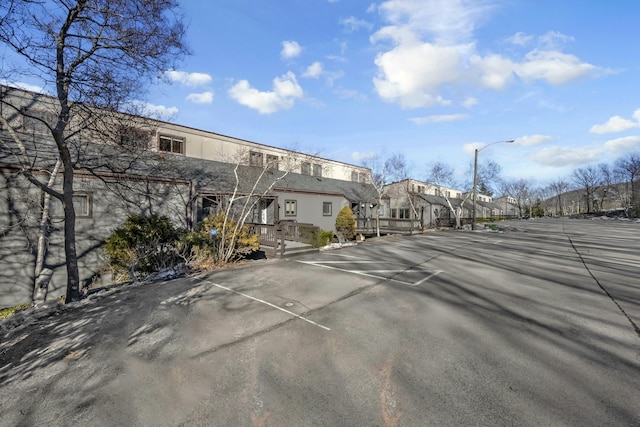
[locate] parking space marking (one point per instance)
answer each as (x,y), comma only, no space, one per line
(347,262)
(343,255)
(367,273)
(270,305)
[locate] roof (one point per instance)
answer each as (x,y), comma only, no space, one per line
(205,174)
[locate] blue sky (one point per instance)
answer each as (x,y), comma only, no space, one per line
(432,79)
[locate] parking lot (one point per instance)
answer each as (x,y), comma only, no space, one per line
(536,325)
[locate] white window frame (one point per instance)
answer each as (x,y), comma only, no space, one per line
(172,139)
(58,212)
(290,207)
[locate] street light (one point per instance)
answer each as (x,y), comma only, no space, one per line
(475,179)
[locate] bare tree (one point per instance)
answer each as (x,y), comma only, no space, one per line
(396,168)
(94,56)
(587,179)
(627,172)
(378,177)
(442,177)
(557,190)
(523,192)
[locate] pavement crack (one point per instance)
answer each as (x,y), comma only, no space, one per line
(636,328)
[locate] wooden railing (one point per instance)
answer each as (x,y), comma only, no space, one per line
(298,232)
(388,224)
(274,235)
(266,234)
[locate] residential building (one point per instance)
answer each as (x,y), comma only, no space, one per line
(129,164)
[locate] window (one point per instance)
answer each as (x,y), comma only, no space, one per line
(354,176)
(37,120)
(272,161)
(317,170)
(290,208)
(133,137)
(394,213)
(171,144)
(255,158)
(305,169)
(81,203)
(404,213)
(327,208)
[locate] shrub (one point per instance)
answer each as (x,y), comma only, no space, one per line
(322,238)
(231,243)
(144,244)
(10,311)
(346,223)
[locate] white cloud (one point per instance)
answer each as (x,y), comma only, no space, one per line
(188,79)
(470,102)
(290,49)
(520,39)
(447,22)
(625,143)
(360,157)
(558,156)
(159,112)
(617,124)
(285,91)
(345,93)
(529,140)
(554,39)
(354,24)
(438,118)
(494,71)
(313,71)
(201,98)
(552,66)
(429,46)
(410,74)
(472,147)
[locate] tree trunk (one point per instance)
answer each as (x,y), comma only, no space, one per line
(73,276)
(43,275)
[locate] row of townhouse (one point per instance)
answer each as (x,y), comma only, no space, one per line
(431,205)
(129,164)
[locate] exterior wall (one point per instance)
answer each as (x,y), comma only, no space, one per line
(211,146)
(21,203)
(399,193)
(310,208)
(197,143)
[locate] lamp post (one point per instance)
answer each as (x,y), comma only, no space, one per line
(475,179)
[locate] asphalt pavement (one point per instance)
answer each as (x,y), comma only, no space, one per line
(535,325)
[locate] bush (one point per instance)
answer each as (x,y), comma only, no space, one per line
(144,244)
(322,238)
(346,223)
(230,244)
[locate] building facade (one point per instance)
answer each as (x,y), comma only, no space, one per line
(129,164)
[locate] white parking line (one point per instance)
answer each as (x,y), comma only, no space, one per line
(343,255)
(346,262)
(270,305)
(367,273)
(435,273)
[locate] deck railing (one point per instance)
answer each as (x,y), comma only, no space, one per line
(388,224)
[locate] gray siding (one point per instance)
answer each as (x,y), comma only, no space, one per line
(19,219)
